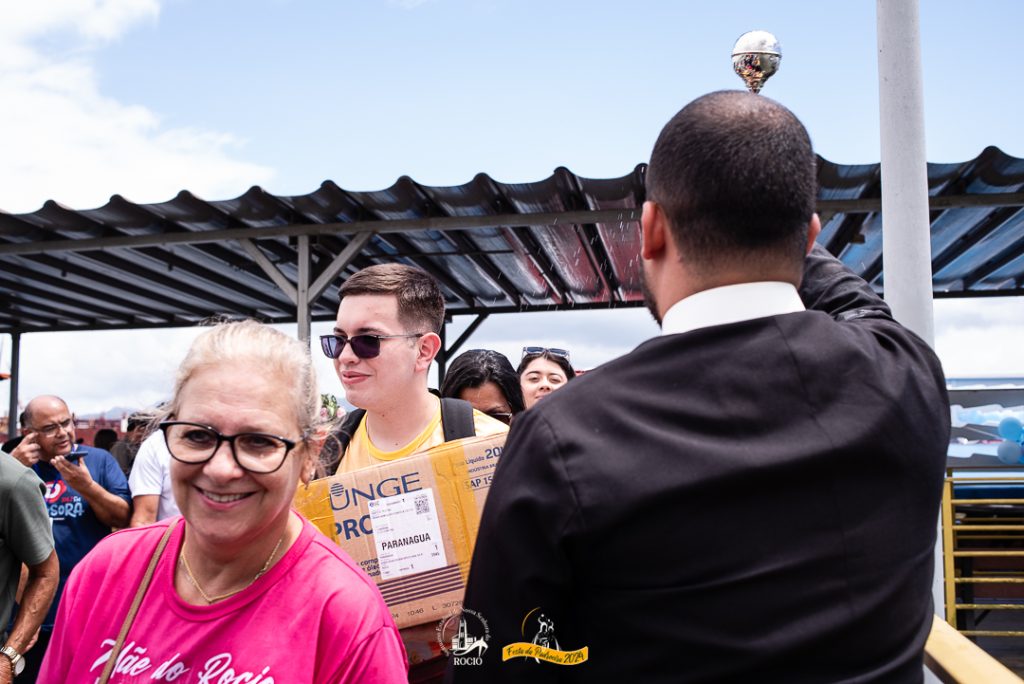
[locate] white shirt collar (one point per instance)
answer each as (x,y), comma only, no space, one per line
(731,304)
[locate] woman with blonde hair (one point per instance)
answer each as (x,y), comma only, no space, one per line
(239,588)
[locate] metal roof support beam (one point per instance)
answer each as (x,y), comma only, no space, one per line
(12,411)
(442,355)
(23,320)
(442,223)
(77,299)
(181,288)
(466,333)
(196,261)
(270,269)
(339,264)
(302,293)
(554,218)
(115,286)
(869,205)
(44,311)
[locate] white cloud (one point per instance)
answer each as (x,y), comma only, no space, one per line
(980,337)
(90,19)
(95,371)
(63,139)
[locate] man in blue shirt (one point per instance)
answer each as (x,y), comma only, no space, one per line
(86,495)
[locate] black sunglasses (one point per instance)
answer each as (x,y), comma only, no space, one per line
(563,353)
(363,346)
(505,418)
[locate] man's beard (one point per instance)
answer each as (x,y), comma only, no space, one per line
(649,301)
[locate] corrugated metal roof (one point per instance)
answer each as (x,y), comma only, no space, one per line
(564,242)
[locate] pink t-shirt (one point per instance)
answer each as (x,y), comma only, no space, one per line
(315,618)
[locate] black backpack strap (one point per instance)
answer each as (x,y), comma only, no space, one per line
(457,419)
(338,439)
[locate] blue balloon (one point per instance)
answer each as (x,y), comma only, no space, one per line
(1011,428)
(1009,452)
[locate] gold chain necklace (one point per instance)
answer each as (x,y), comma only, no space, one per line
(221,597)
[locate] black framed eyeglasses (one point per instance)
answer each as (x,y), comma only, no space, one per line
(505,418)
(363,346)
(554,351)
(256,452)
(53,428)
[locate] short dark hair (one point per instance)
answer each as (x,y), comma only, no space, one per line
(104,439)
(477,366)
(420,302)
(735,174)
(562,362)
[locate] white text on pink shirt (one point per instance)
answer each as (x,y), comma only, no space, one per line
(133,661)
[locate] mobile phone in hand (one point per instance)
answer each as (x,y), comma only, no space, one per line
(75,454)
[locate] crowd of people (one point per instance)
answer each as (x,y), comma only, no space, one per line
(235,501)
(691,511)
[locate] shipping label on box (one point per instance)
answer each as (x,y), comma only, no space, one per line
(407,534)
(411,523)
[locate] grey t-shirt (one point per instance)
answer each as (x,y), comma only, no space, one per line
(26,535)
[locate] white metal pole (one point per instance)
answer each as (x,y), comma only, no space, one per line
(906,238)
(906,234)
(302,303)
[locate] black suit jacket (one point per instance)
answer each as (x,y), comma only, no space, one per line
(752,502)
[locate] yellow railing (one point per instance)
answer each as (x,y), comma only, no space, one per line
(983,547)
(955,659)
(983,553)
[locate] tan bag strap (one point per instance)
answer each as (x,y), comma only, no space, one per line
(139,595)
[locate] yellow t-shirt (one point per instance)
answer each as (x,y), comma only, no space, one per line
(362,453)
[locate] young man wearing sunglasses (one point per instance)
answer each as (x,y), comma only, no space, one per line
(384,340)
(752,495)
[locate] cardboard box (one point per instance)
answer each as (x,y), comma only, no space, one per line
(410,524)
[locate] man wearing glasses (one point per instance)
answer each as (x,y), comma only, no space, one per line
(752,495)
(384,340)
(86,495)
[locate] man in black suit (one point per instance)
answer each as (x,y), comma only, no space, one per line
(751,496)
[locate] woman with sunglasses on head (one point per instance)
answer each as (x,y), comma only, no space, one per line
(485,379)
(239,588)
(542,371)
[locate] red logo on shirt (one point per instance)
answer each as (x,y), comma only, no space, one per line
(54,490)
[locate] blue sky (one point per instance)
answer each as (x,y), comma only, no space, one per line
(147,97)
